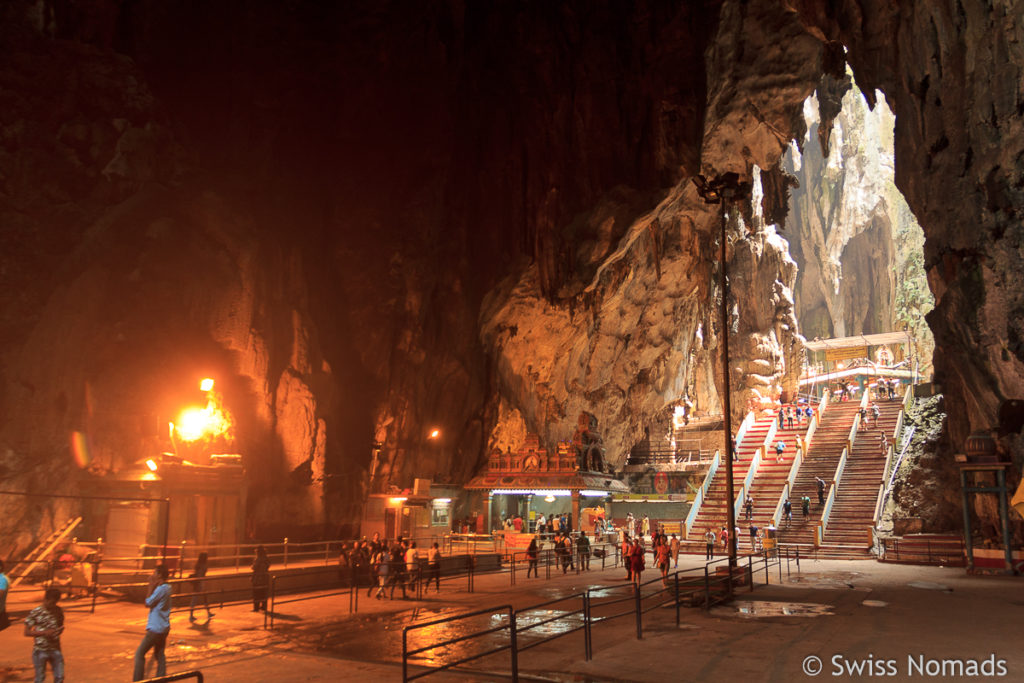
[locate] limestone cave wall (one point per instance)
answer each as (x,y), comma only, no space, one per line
(370,219)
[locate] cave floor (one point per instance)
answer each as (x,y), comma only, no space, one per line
(846,613)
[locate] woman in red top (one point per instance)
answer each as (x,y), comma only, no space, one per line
(637,561)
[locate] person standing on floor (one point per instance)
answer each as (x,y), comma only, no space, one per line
(198,572)
(4,586)
(637,561)
(627,558)
(709,539)
(158,625)
(645,526)
(433,568)
(532,552)
(674,547)
(379,565)
(260,580)
(583,549)
(45,623)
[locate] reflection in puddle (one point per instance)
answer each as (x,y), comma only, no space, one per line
(930,586)
(765,608)
(875,603)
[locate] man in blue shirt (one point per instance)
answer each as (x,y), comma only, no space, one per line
(157,626)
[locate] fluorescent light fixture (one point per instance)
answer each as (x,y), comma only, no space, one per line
(527,492)
(151,464)
(594,494)
(442,501)
(397,500)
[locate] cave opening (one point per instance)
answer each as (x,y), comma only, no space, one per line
(858,246)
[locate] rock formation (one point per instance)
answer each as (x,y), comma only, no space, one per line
(370,220)
(857,244)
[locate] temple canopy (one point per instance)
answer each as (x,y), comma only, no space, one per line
(860,341)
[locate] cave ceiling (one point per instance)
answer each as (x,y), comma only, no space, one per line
(369,219)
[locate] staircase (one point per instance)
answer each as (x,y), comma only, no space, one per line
(853,511)
(713,513)
(42,551)
(821,460)
(769,481)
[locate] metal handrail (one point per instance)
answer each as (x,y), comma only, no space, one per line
(198,675)
(512,645)
(794,470)
(698,500)
(748,421)
(755,462)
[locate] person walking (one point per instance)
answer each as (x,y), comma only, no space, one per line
(782,418)
(260,580)
(674,547)
(805,504)
(627,557)
(787,512)
(709,539)
(789,416)
(748,505)
(45,623)
(158,625)
(433,568)
(198,572)
(412,566)
(819,483)
(780,448)
(532,552)
(663,556)
(724,536)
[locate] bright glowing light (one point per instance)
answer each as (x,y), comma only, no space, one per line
(526,492)
(442,500)
(434,433)
(206,384)
(397,501)
(151,464)
(549,499)
(210,422)
(593,494)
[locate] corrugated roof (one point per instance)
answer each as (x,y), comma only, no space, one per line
(860,340)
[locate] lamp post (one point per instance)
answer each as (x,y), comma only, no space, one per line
(723,190)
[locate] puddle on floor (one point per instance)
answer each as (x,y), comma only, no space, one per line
(766,608)
(829,580)
(875,603)
(930,586)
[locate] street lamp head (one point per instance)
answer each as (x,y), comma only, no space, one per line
(206,384)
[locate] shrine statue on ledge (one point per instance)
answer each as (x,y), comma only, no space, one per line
(588,444)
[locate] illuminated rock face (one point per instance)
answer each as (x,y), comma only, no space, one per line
(472,217)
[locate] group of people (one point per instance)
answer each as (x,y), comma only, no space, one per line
(567,552)
(791,416)
(664,549)
(384,565)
